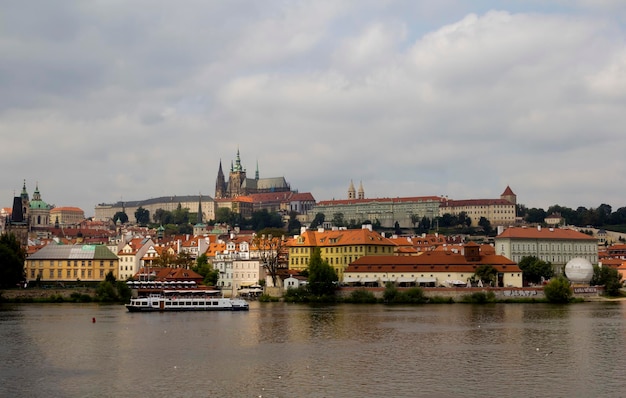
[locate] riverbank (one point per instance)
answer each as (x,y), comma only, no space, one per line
(48,295)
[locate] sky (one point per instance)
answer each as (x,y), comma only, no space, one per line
(102,101)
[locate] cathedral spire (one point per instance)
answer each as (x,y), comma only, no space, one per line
(256,174)
(220,183)
(200,208)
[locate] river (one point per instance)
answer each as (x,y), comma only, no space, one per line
(294,350)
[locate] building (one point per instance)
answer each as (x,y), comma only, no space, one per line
(18,223)
(357,210)
(67,216)
(499,212)
(239,184)
(339,247)
(105,212)
(64,263)
(39,214)
(131,255)
(554,245)
(431,269)
(246,273)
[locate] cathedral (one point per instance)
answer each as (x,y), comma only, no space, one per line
(239,184)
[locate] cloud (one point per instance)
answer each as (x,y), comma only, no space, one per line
(143,99)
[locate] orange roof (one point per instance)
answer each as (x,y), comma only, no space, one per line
(544,233)
(340,237)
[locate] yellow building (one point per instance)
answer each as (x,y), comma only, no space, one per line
(59,263)
(339,247)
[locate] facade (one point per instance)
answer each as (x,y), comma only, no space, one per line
(499,212)
(67,216)
(63,263)
(357,209)
(554,245)
(339,247)
(246,273)
(239,184)
(105,212)
(434,269)
(131,255)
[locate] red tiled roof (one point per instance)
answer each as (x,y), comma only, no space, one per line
(508,192)
(381,200)
(429,262)
(544,233)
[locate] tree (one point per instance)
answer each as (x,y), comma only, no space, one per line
(558,290)
(121,216)
(396,228)
(264,219)
(609,278)
(485,225)
(294,225)
(534,269)
(338,220)
(487,273)
(318,220)
(11,261)
(183,260)
(166,259)
(271,253)
(142,216)
(204,268)
(322,277)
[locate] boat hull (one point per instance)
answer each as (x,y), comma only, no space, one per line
(166,304)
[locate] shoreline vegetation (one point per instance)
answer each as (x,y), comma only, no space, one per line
(358,296)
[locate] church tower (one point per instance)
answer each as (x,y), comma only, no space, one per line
(237,179)
(220,184)
(351,191)
(361,193)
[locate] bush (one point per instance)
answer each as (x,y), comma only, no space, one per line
(362,296)
(414,295)
(479,298)
(266,298)
(558,290)
(298,295)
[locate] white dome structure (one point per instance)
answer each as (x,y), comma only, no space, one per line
(579,270)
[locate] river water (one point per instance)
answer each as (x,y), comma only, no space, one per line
(293,350)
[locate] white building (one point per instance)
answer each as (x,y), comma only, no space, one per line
(554,245)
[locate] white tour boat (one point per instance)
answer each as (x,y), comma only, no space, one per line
(186,300)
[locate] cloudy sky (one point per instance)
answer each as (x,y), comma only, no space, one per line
(102,101)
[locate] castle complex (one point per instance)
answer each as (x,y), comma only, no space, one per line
(240,185)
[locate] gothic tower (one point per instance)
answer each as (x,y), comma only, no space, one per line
(361,193)
(236,179)
(220,184)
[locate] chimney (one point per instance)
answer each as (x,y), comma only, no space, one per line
(538,227)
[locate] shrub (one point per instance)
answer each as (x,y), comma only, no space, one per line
(362,296)
(558,290)
(298,295)
(479,298)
